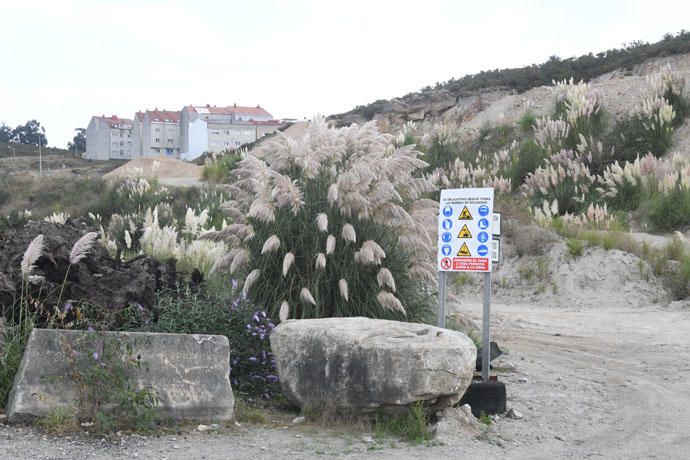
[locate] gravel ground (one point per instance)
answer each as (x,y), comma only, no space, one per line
(603,383)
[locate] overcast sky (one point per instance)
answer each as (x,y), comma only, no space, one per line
(64,61)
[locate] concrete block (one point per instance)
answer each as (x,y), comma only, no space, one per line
(188,372)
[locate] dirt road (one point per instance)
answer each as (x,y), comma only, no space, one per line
(596,383)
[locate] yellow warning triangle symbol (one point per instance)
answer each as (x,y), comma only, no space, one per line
(464,251)
(465,232)
(465,214)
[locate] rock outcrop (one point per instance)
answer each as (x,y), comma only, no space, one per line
(356,365)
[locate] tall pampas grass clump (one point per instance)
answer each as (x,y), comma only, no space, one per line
(337,223)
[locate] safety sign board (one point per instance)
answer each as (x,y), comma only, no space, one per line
(497,224)
(495,250)
(465,228)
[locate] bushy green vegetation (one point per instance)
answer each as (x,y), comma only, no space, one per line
(584,68)
(413,426)
(322,232)
(218,169)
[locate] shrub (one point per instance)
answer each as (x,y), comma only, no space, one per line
(334,226)
(185,311)
(217,169)
(525,161)
(527,121)
(575,247)
(670,210)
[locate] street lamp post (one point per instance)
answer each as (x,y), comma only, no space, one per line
(40,158)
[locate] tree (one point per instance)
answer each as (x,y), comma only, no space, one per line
(32,133)
(5,133)
(78,141)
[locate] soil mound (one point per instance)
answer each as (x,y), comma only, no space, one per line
(168,168)
(98,279)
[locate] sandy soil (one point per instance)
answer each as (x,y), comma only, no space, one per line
(170,171)
(606,383)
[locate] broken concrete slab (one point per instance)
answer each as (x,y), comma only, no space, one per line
(360,364)
(188,372)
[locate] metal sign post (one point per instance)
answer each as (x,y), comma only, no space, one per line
(486,342)
(442,299)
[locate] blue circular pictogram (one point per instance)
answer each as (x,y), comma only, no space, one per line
(483,237)
(482,250)
(447,224)
(446,237)
(483,210)
(445,249)
(447,211)
(483,224)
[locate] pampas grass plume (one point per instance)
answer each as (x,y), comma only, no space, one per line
(284,311)
(306,296)
(390,302)
(31,255)
(322,222)
(330,244)
(320,261)
(385,278)
(271,245)
(83,246)
(349,233)
(287,262)
(342,287)
(251,279)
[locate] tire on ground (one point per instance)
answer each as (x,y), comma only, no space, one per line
(485,396)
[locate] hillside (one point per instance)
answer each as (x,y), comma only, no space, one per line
(458,98)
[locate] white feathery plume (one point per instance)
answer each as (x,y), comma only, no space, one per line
(284,311)
(271,245)
(241,258)
(390,302)
(349,234)
(320,261)
(82,247)
(333,193)
(385,278)
(251,279)
(342,287)
(31,255)
(322,222)
(287,262)
(330,244)
(306,296)
(128,239)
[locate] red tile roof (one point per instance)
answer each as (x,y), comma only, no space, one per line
(115,120)
(164,115)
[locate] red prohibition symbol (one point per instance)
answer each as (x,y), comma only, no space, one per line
(445,263)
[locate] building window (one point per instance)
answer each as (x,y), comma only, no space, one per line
(122,144)
(115,144)
(227,131)
(122,152)
(158,130)
(158,140)
(170,141)
(169,151)
(215,132)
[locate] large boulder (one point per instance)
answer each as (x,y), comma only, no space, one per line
(188,373)
(361,364)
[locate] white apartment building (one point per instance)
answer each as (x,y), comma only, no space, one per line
(108,138)
(156,132)
(215,129)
